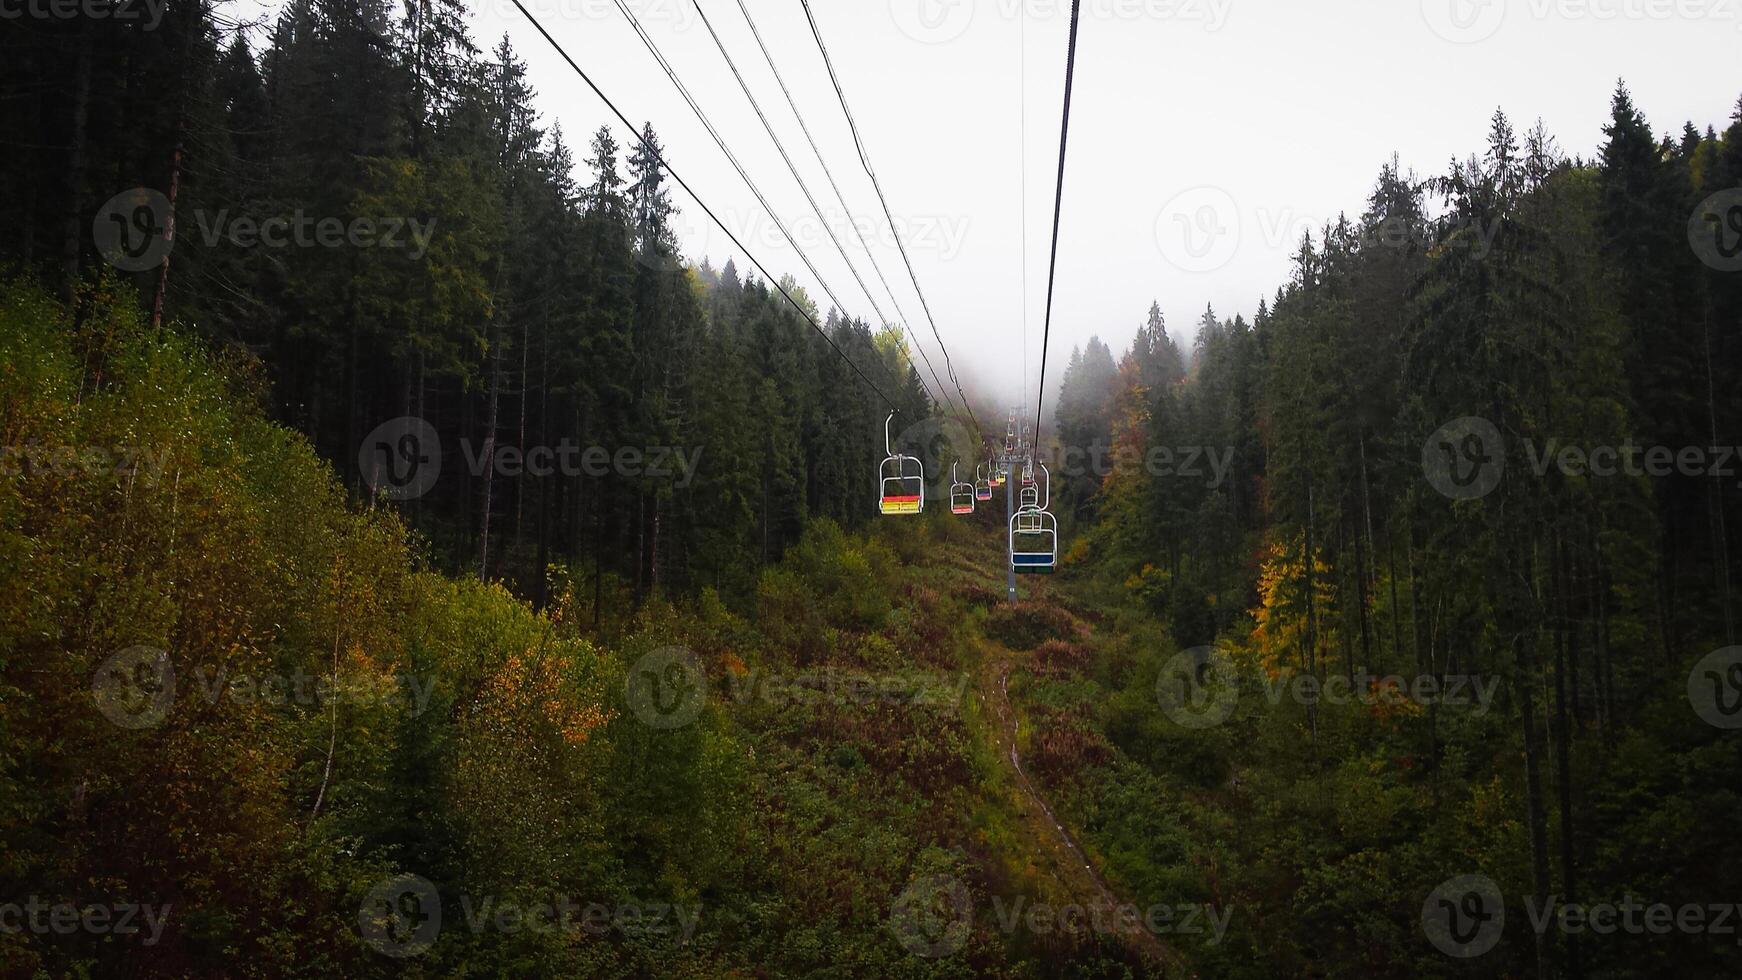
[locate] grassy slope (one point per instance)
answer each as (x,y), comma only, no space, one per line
(793,822)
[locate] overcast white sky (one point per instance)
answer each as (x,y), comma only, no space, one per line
(1206,134)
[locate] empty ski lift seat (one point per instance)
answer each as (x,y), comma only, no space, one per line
(901,480)
(961,495)
(1033,542)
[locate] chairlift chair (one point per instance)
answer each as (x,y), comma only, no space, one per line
(982,485)
(901,480)
(961,494)
(1033,537)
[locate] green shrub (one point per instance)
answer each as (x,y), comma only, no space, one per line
(1026,625)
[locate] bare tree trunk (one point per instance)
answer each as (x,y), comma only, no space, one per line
(489,456)
(33,161)
(1365,557)
(640,543)
(1605,667)
(1396,610)
(1312,637)
(520,441)
(1563,736)
(353,357)
(181,127)
(1525,662)
(541,588)
(73,231)
(598,567)
(1720,533)
(653,555)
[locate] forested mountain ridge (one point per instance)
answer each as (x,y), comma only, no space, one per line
(369,206)
(1487,432)
(365,553)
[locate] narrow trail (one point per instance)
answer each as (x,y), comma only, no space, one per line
(1062,855)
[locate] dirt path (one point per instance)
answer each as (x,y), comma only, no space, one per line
(1062,856)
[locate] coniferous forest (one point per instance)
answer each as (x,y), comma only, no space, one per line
(415,564)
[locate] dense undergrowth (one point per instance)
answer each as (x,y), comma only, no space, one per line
(1322,828)
(316,714)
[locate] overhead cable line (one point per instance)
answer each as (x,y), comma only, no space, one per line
(818,211)
(671,73)
(842,199)
(1057,209)
(865,161)
(1022,157)
(650,148)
